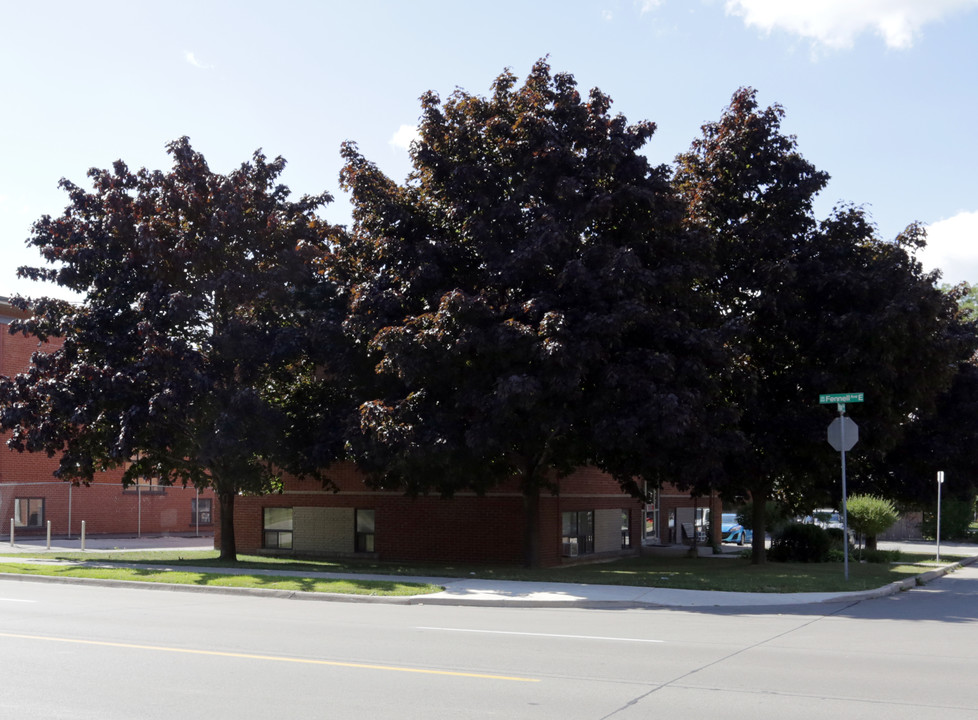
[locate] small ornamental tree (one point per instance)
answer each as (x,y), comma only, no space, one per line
(869,515)
(532,299)
(193,323)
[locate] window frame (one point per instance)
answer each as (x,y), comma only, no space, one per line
(145,486)
(197,514)
(28,503)
(573,541)
(277,538)
(364,530)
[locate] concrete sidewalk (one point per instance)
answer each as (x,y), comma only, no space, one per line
(503,593)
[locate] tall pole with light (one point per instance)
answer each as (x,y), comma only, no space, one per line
(940,481)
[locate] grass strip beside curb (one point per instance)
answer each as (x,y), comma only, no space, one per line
(377,588)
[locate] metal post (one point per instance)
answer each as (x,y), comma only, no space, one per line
(940,481)
(83,535)
(197,511)
(11,532)
(69,510)
(139,509)
(845,518)
(49,534)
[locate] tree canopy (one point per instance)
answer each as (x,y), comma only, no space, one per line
(532,297)
(809,308)
(196,289)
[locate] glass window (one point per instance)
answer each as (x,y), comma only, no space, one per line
(200,511)
(365,524)
(626,530)
(28,512)
(577,532)
(650,532)
(277,528)
(145,485)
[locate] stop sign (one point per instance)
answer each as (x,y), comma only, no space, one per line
(843,426)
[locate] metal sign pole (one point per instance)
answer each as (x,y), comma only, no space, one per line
(845,518)
(837,439)
(940,481)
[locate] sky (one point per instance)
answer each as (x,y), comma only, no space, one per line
(881,94)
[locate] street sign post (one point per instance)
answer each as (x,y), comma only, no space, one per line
(940,481)
(843,433)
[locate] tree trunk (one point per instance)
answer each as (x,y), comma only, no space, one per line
(229,549)
(870,542)
(758,555)
(531,526)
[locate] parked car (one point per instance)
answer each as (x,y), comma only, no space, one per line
(733,531)
(826,518)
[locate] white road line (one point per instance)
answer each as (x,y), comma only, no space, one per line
(16,600)
(531,634)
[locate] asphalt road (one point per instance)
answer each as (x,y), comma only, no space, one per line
(110,653)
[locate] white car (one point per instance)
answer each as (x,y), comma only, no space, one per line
(826,518)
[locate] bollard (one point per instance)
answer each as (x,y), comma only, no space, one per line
(83,535)
(49,534)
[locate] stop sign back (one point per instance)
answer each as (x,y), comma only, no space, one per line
(843,433)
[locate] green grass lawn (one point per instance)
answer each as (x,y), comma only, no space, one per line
(704,573)
(187,577)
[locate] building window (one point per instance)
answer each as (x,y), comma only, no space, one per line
(277,528)
(200,511)
(626,530)
(145,485)
(577,536)
(29,512)
(365,530)
(650,532)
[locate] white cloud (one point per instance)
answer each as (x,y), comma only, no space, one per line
(646,6)
(952,247)
(192,59)
(837,23)
(404,136)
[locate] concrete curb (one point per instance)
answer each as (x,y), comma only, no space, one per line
(942,571)
(440,599)
(178,587)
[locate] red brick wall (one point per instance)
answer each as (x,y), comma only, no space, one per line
(104,506)
(466,528)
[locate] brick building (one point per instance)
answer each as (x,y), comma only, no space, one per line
(590,518)
(30,495)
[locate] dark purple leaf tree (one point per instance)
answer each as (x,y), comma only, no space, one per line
(533,301)
(194,331)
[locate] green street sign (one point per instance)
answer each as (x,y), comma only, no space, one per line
(831,399)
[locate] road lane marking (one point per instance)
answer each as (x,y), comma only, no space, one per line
(273,658)
(16,600)
(549,635)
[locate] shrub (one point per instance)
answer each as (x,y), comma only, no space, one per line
(870,515)
(956,516)
(836,536)
(881,556)
(836,555)
(799,542)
